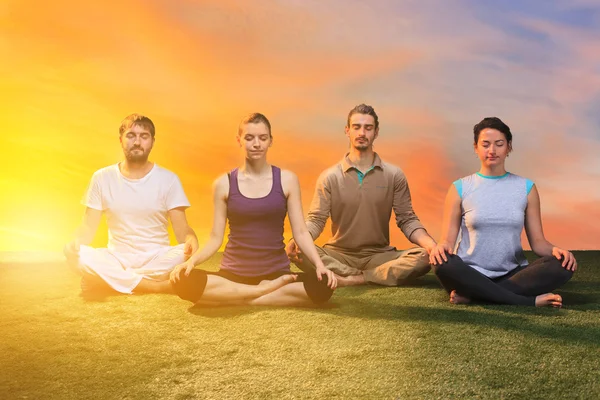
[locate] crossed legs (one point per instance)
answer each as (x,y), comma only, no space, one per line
(530,285)
(390,268)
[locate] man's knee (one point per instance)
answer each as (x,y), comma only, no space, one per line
(421,257)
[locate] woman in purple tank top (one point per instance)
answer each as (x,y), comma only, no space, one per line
(255,199)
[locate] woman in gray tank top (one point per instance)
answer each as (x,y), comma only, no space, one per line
(487,212)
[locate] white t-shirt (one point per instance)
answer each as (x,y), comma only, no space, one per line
(136,209)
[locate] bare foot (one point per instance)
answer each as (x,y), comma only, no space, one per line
(350,280)
(270,286)
(548,299)
(456,298)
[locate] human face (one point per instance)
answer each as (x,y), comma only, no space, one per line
(137,143)
(492,147)
(255,140)
(361,131)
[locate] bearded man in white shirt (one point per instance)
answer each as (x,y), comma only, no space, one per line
(139,198)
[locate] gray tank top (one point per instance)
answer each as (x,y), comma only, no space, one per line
(493,216)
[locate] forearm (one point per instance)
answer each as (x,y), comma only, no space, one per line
(207,251)
(185,235)
(84,235)
(542,248)
(421,238)
(304,240)
(449,237)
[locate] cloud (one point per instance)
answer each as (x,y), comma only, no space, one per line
(197,67)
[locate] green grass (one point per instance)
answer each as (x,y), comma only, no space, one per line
(372,342)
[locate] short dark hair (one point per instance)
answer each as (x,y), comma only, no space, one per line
(136,119)
(254,118)
(363,109)
(493,123)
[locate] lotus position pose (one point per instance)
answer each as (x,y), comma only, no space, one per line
(255,199)
(488,210)
(359,194)
(139,198)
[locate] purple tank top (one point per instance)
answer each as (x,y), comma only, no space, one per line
(255,246)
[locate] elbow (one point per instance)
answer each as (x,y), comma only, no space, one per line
(216,240)
(301,232)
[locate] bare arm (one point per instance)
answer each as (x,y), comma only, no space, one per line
(450,227)
(183,232)
(93,201)
(301,234)
(533,225)
(320,209)
(535,233)
(87,230)
(84,234)
(215,239)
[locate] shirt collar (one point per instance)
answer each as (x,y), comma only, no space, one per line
(347,165)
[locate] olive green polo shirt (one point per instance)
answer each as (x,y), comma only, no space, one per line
(360,206)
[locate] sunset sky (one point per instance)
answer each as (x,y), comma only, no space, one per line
(71,71)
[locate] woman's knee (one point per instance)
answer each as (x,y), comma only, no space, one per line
(190,287)
(555,265)
(318,291)
(447,266)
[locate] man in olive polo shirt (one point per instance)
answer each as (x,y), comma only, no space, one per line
(359,194)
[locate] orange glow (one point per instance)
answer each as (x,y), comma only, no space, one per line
(72,71)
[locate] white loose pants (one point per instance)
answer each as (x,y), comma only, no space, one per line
(123,272)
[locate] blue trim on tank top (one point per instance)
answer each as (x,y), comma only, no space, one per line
(492,177)
(458,185)
(529,185)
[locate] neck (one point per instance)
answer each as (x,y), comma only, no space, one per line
(496,170)
(362,159)
(255,167)
(135,170)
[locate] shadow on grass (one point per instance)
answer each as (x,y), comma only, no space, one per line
(579,296)
(509,318)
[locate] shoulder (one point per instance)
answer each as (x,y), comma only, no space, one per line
(391,168)
(165,174)
(468,180)
(288,176)
(330,174)
(395,173)
(220,186)
(518,178)
(522,181)
(222,182)
(464,179)
(109,172)
(461,183)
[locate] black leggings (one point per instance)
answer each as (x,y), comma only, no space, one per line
(518,287)
(192,287)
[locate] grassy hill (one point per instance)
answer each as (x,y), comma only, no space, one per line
(372,342)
